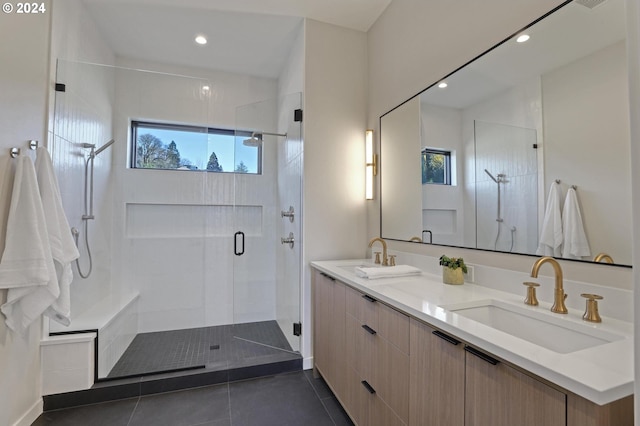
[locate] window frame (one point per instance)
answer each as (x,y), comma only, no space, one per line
(447,164)
(136,124)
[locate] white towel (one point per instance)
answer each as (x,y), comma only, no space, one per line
(551,237)
(575,239)
(7,171)
(26,256)
(387,271)
(63,247)
(26,267)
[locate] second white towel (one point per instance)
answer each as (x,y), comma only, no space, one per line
(576,244)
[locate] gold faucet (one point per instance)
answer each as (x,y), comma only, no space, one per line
(558,295)
(603,257)
(385,259)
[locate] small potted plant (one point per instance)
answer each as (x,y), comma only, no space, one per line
(453,270)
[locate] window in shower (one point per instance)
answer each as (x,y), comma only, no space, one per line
(436,166)
(180,147)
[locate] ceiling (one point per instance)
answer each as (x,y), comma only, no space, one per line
(250,37)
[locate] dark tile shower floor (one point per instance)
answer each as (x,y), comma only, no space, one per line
(214,348)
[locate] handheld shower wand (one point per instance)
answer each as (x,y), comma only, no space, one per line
(88,202)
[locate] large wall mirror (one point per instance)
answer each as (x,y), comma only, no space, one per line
(500,157)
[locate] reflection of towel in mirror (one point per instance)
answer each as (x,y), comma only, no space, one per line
(26,267)
(63,247)
(551,237)
(575,239)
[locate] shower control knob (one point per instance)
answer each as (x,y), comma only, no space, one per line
(288,213)
(289,240)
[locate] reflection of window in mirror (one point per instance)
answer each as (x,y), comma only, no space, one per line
(436,166)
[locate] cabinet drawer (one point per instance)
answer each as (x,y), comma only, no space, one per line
(394,327)
(362,307)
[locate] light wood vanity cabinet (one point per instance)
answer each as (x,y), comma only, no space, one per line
(330,331)
(497,394)
(387,369)
(452,386)
(437,378)
(378,357)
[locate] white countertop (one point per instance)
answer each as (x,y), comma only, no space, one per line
(601,374)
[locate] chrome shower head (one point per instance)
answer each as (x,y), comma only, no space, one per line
(254,140)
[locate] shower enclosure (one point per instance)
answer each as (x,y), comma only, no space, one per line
(190,268)
(506,187)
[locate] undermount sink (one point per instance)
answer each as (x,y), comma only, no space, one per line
(539,328)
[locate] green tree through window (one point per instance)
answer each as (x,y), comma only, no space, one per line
(436,166)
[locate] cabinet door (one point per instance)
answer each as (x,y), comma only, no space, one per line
(437,369)
(329,331)
(321,310)
(499,395)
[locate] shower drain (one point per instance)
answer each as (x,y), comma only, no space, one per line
(214,347)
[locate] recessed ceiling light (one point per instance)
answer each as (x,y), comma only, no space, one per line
(522,38)
(200,39)
(442,85)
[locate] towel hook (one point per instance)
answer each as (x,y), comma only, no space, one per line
(558,181)
(574,187)
(14,152)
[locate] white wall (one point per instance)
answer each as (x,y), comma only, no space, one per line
(400,159)
(334,124)
(633,55)
(595,135)
(23,104)
(414,44)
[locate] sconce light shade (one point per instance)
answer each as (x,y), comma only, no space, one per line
(371,164)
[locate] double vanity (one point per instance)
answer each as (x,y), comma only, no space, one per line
(414,351)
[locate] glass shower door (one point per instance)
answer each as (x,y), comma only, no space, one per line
(266,244)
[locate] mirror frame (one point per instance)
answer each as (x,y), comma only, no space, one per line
(381,160)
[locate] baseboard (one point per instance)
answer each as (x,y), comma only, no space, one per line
(31,415)
(307,363)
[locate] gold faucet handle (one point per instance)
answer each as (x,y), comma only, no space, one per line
(377,253)
(531,298)
(392,260)
(591,312)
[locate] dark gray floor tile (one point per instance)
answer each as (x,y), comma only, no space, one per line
(285,400)
(183,408)
(319,385)
(336,412)
(115,413)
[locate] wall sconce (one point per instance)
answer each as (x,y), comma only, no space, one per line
(371,164)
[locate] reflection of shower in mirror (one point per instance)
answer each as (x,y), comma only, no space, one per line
(501,178)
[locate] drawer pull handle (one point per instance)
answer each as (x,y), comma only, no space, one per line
(446,337)
(369,329)
(327,276)
(368,298)
(368,387)
(481,355)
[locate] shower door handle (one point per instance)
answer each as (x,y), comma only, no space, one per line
(238,251)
